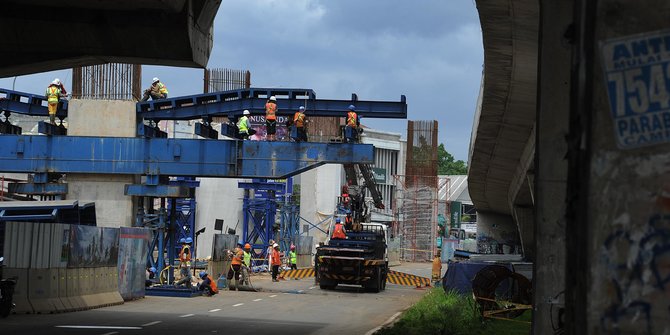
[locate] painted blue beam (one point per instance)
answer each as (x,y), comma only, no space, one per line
(172,157)
(28,103)
(38,188)
(229,103)
(160,191)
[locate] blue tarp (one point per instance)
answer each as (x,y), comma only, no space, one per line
(459,276)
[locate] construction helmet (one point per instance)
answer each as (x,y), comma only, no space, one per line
(182,240)
(292,247)
(155,80)
(152,269)
(246,112)
(275,245)
(57,81)
(302,108)
(54,83)
(273,98)
(203,274)
(189,240)
(337,220)
(247,246)
(352,107)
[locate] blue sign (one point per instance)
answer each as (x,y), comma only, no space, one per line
(637,70)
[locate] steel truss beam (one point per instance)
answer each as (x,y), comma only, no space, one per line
(172,157)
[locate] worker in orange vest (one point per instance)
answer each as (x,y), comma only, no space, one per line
(185,262)
(299,124)
(276,262)
(352,125)
(235,267)
(271,118)
(339,232)
(208,285)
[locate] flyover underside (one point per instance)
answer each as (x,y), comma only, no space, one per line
(41,36)
(502,134)
(172,157)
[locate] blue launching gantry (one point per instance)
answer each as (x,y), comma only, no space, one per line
(158,159)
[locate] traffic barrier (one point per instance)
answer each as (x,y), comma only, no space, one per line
(43,294)
(20,297)
(298,273)
(401,278)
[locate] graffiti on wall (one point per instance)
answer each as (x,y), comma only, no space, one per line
(637,261)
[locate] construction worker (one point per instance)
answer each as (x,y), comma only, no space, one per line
(351,128)
(60,85)
(348,222)
(269,254)
(271,118)
(156,91)
(276,262)
(185,262)
(246,264)
(235,267)
(53,93)
(339,232)
(208,285)
(299,124)
(293,259)
(244,129)
(150,277)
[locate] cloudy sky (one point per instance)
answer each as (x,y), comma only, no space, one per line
(429,50)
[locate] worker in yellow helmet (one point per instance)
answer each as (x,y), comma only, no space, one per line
(54,93)
(156,91)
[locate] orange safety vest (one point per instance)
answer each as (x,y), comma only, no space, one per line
(299,119)
(338,232)
(351,119)
(276,259)
(185,255)
(212,284)
(53,93)
(237,259)
(270,110)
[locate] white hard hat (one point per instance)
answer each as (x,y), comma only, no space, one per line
(275,245)
(246,112)
(155,79)
(302,108)
(57,81)
(272,98)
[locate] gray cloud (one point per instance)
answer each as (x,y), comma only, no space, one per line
(429,50)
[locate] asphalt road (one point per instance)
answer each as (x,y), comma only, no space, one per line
(288,307)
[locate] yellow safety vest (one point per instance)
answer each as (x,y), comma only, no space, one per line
(247,258)
(162,88)
(351,119)
(299,119)
(270,110)
(242,125)
(53,93)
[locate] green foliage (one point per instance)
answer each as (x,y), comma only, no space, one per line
(446,164)
(451,313)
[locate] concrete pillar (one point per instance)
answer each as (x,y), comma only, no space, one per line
(103,118)
(319,189)
(551,165)
(495,230)
(622,191)
(217,198)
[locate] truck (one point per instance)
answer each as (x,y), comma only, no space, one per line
(360,259)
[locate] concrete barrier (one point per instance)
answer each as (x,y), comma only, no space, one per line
(20,298)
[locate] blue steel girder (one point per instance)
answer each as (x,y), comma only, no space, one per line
(172,157)
(234,102)
(28,103)
(38,188)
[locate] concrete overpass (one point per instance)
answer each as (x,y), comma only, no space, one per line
(40,35)
(558,152)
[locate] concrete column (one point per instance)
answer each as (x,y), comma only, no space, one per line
(626,190)
(217,198)
(103,118)
(319,189)
(551,165)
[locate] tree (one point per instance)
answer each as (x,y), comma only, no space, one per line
(446,165)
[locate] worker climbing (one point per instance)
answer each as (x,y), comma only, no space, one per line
(271,118)
(352,127)
(55,91)
(185,262)
(156,91)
